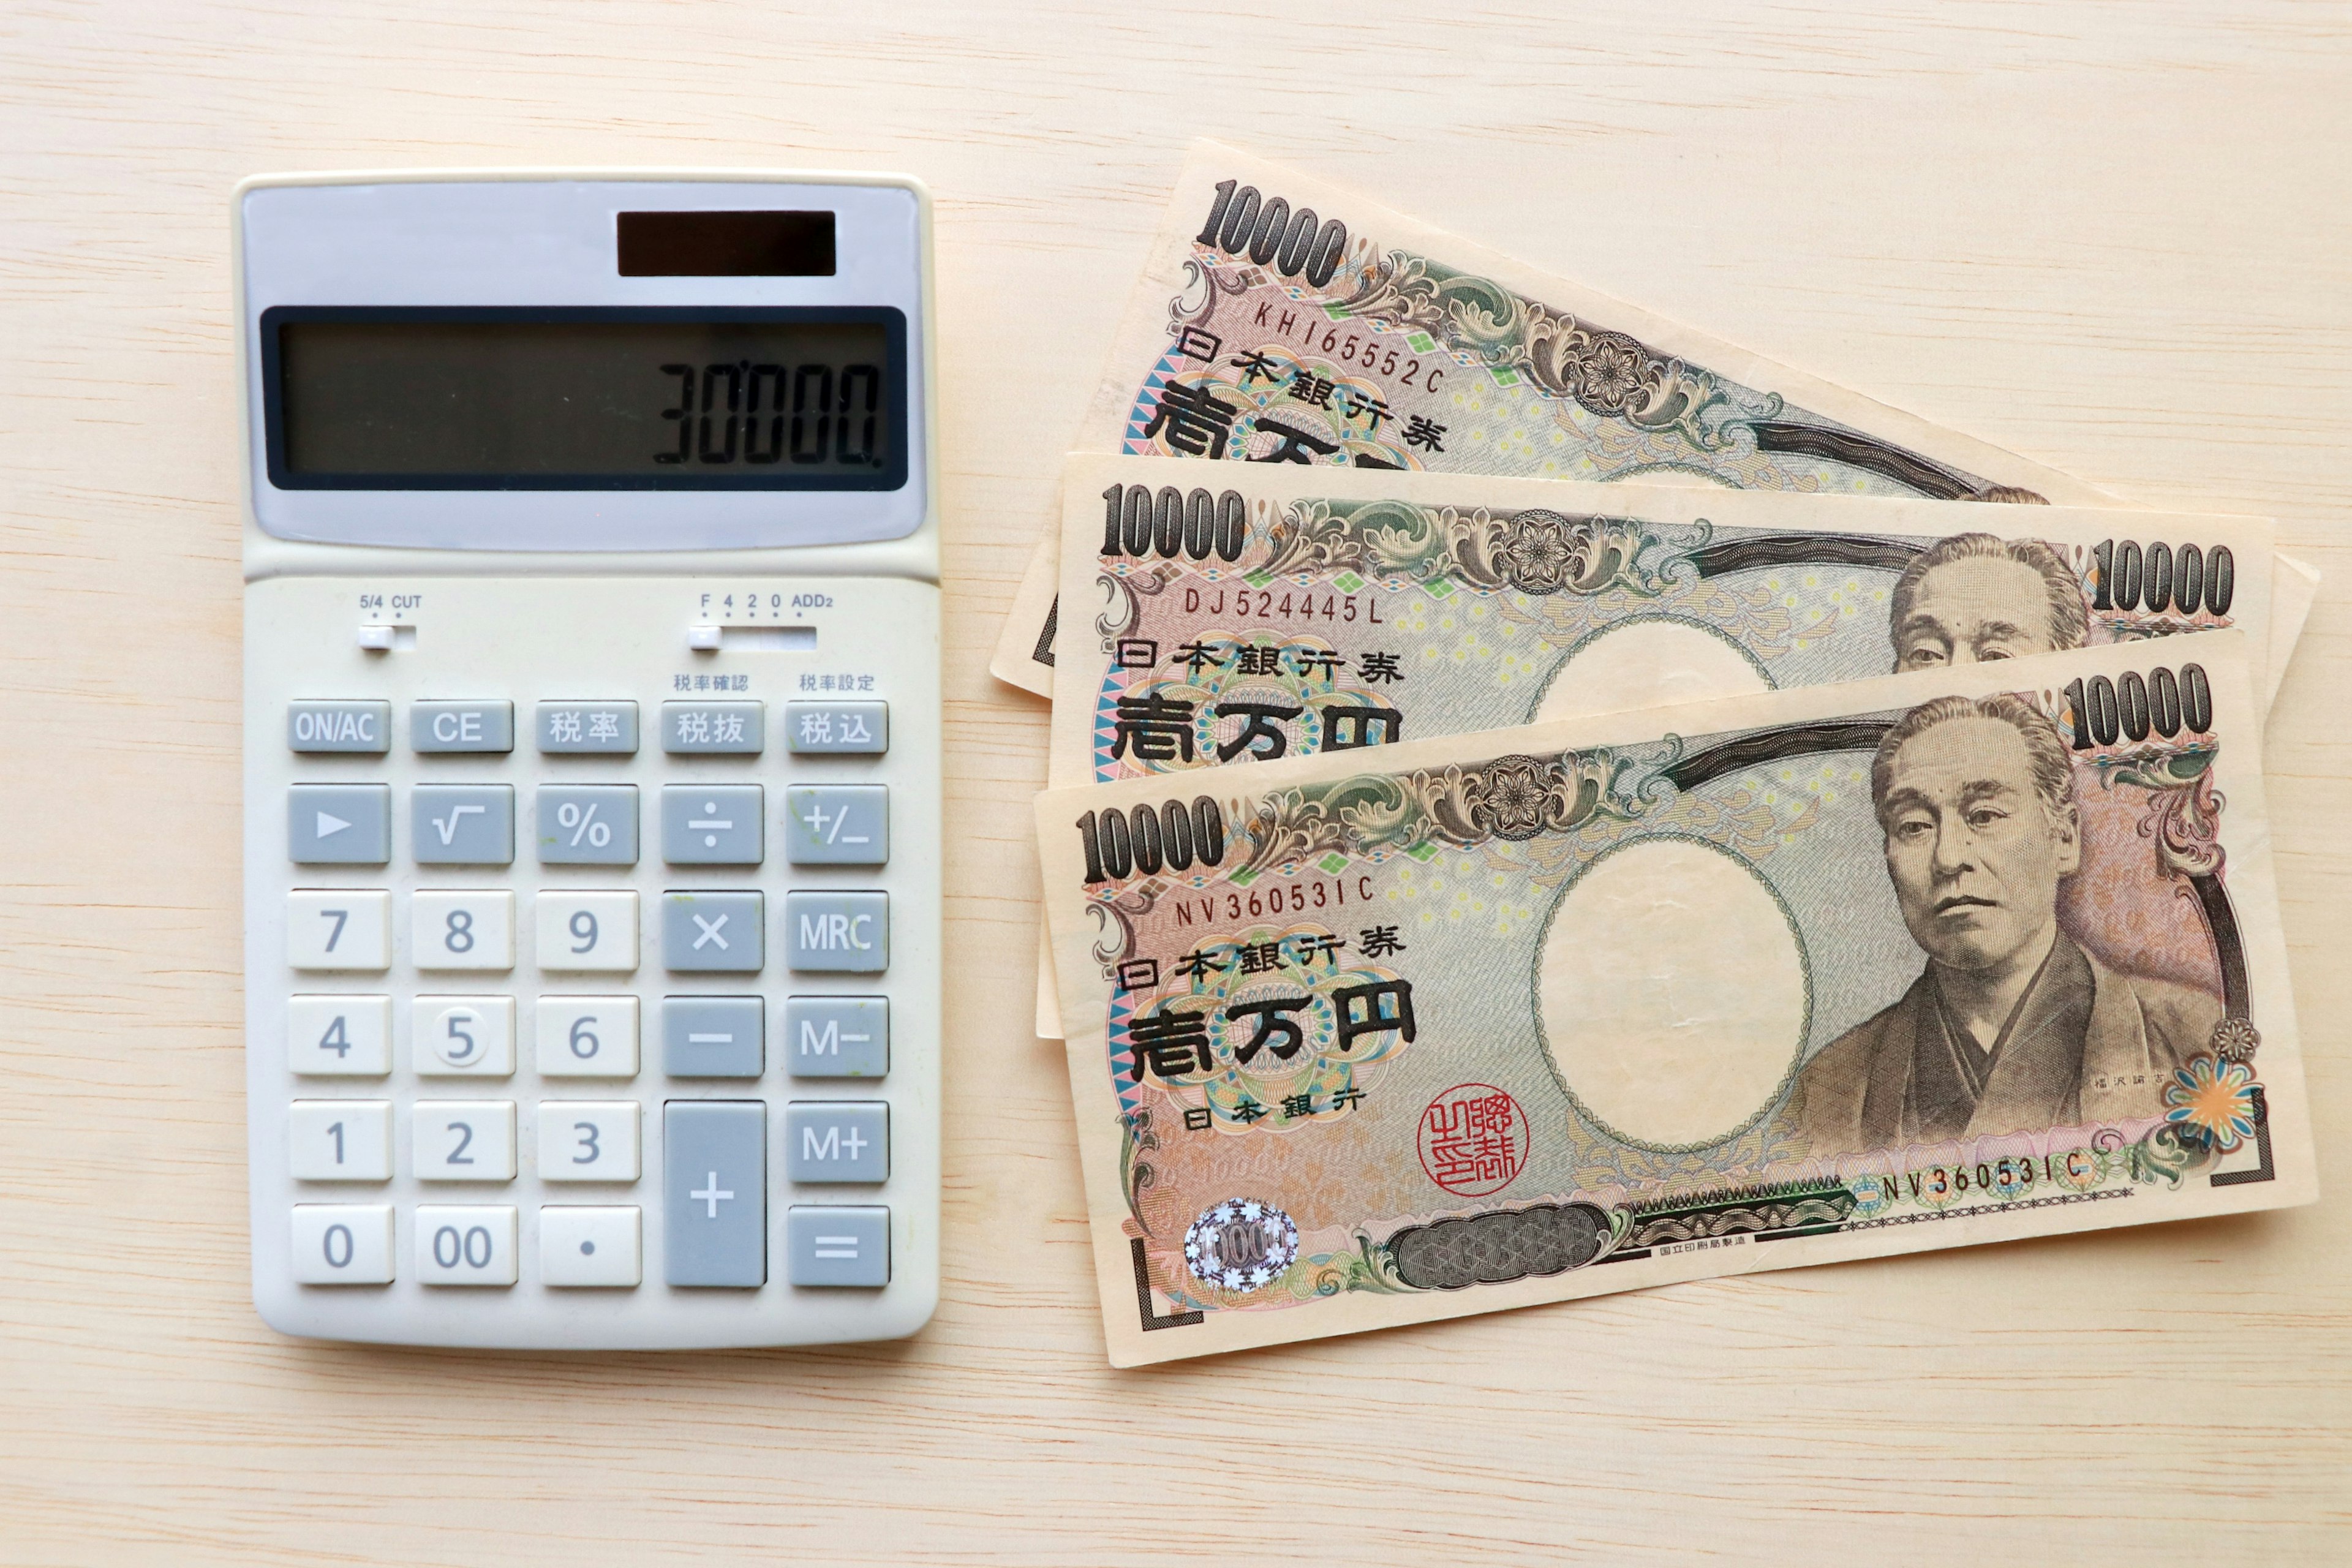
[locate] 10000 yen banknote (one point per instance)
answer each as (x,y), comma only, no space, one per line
(1281,319)
(1293,610)
(1370,1038)
(1281,611)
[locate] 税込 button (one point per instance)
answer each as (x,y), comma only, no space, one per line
(839,729)
(837,933)
(331,726)
(437,727)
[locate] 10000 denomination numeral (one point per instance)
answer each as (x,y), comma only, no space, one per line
(2133,707)
(2161,577)
(1175,836)
(1138,522)
(1294,244)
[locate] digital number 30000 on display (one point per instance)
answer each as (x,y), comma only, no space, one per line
(592,757)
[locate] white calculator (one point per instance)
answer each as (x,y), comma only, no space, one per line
(592,767)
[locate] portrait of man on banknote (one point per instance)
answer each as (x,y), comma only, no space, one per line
(2011,1026)
(1971,597)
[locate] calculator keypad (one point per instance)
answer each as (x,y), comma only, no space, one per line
(577,995)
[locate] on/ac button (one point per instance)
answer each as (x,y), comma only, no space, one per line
(353,726)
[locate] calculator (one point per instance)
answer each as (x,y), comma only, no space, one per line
(592,757)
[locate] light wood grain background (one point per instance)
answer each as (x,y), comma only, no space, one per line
(2114,237)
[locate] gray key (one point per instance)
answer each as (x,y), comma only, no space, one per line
(713,729)
(339,824)
(844,1141)
(714,1036)
(837,1036)
(715,1192)
(837,1246)
(461,726)
(837,933)
(713,825)
(461,825)
(715,933)
(339,726)
(587,824)
(839,729)
(837,824)
(588,729)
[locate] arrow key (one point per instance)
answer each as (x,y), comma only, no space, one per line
(339,824)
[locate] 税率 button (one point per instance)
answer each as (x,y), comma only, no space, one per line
(715,1192)
(337,726)
(435,727)
(588,729)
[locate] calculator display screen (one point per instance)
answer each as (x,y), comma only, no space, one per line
(399,398)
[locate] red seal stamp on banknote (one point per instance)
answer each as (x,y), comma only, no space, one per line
(1473,1140)
(1241,1244)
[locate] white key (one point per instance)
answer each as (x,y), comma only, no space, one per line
(463,1139)
(462,1037)
(450,929)
(589,1246)
(587,1037)
(587,1140)
(339,1140)
(339,928)
(342,1244)
(339,1036)
(588,932)
(465,1245)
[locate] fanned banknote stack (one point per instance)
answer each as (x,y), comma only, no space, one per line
(1543,802)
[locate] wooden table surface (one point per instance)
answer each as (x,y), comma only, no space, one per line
(2113,237)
